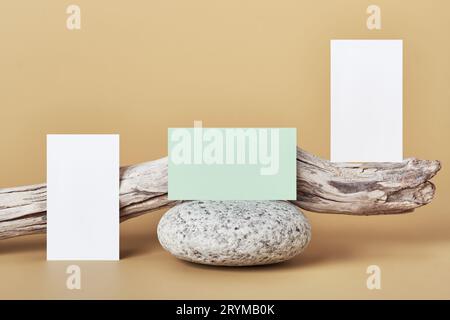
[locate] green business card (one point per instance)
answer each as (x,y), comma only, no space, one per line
(232,163)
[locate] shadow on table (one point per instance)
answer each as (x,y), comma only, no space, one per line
(386,237)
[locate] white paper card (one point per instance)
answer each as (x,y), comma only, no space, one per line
(82,197)
(366,100)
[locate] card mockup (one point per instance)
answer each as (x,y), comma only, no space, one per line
(232,163)
(82,197)
(366,100)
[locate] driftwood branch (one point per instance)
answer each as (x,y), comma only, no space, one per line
(364,189)
(358,189)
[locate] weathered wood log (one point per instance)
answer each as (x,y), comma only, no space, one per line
(366,188)
(322,186)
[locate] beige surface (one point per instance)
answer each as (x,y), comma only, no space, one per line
(228,63)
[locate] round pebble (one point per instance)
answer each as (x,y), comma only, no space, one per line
(234,233)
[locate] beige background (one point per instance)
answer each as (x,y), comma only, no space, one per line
(137,68)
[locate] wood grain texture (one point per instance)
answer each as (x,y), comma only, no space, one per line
(366,188)
(322,186)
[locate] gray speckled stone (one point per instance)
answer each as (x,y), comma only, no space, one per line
(234,233)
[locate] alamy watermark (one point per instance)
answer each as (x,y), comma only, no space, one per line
(374,20)
(73,281)
(227,146)
(374,279)
(73,21)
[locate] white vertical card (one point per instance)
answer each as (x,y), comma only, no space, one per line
(82,197)
(366,100)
